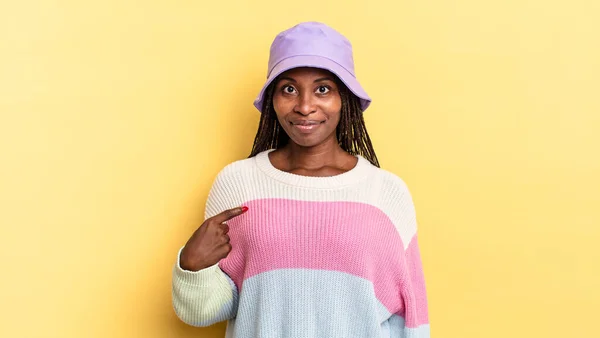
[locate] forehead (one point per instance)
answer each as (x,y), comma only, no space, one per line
(307,72)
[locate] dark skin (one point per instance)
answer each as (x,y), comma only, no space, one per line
(309,94)
(209,243)
(307,103)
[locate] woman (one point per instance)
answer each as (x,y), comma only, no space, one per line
(308,237)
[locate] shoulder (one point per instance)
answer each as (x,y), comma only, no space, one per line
(395,200)
(391,179)
(229,187)
(235,175)
(237,168)
(395,191)
(392,185)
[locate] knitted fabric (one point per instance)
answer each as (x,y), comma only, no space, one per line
(313,257)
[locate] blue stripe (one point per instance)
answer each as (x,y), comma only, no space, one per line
(314,303)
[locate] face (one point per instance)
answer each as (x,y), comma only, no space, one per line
(307,103)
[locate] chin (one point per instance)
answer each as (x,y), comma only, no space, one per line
(307,143)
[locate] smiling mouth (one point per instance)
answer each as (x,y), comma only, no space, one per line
(307,126)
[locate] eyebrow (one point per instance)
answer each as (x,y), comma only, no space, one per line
(324,79)
(317,80)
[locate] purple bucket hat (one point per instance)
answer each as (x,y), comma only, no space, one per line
(313,44)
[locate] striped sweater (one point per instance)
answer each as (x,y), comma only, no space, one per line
(312,257)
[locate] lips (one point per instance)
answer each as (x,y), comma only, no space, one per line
(306,122)
(306,126)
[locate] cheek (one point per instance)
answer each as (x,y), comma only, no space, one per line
(281,104)
(276,103)
(334,110)
(280,109)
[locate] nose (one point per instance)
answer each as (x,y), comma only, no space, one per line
(305,104)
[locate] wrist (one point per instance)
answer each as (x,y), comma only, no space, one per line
(185,263)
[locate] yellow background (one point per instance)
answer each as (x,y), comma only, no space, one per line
(117,115)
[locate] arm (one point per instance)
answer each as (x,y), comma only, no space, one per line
(412,321)
(206,296)
(414,295)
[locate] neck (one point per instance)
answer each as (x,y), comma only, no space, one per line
(324,154)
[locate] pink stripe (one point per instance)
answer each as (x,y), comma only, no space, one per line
(414,293)
(350,237)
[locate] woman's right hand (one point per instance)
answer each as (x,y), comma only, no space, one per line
(209,243)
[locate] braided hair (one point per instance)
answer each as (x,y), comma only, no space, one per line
(351,131)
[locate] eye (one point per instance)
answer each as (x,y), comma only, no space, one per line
(323,90)
(289,89)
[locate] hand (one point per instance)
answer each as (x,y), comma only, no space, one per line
(209,243)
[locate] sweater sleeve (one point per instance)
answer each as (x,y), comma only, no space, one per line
(208,296)
(414,295)
(412,321)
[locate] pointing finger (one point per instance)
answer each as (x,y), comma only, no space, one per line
(229,214)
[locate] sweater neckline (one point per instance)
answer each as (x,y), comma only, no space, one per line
(349,177)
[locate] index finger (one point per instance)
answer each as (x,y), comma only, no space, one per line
(229,214)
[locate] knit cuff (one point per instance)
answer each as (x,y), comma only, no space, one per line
(203,277)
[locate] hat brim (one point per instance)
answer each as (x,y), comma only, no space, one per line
(315,62)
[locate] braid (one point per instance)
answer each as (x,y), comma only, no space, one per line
(269,134)
(351,131)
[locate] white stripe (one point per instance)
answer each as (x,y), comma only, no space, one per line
(247,180)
